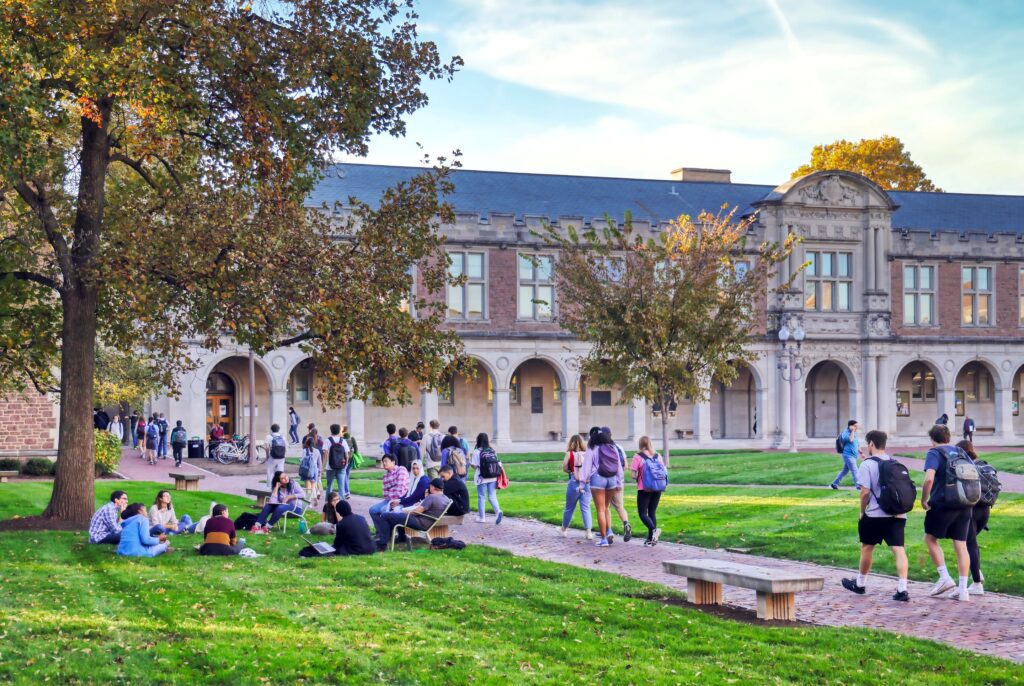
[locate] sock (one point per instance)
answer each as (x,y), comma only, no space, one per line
(963,583)
(862,580)
(901,585)
(943,572)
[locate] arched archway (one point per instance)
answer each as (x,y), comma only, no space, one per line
(535,401)
(918,398)
(227,396)
(1016,392)
(828,396)
(469,402)
(734,411)
(974,396)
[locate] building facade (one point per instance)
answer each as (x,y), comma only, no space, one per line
(912,303)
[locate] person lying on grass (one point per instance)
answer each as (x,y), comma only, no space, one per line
(136,540)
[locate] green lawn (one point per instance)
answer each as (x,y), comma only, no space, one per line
(794,523)
(1004,461)
(76,613)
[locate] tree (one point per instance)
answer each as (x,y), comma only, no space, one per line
(154,161)
(665,314)
(125,379)
(883,160)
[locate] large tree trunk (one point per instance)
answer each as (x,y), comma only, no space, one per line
(72,498)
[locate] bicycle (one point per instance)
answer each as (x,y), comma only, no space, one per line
(237,450)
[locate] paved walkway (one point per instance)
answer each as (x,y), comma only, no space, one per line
(992,624)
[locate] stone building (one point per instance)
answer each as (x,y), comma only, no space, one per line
(912,303)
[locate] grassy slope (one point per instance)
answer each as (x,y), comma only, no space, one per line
(799,524)
(76,613)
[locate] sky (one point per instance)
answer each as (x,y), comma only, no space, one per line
(610,88)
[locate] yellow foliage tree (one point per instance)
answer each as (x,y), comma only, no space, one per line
(883,160)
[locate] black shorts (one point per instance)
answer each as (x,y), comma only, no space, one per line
(945,523)
(874,530)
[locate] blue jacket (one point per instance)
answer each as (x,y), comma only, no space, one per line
(418,494)
(135,538)
(851,448)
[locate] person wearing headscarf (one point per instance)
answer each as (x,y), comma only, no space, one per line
(418,484)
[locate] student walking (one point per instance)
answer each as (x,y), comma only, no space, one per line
(969,429)
(276,452)
(163,429)
(577,491)
(616,496)
(152,440)
(116,427)
(979,519)
(337,459)
(179,441)
(352,452)
(133,427)
(310,467)
(603,471)
(487,469)
(948,509)
(849,446)
(651,479)
(886,494)
(293,425)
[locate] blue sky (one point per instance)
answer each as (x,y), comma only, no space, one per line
(610,88)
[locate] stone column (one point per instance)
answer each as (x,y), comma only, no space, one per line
(1004,414)
(570,412)
(886,396)
(945,403)
(871,398)
(501,416)
(800,388)
(869,259)
(702,421)
(428,406)
(765,420)
(357,422)
(781,396)
(279,408)
(882,281)
(637,419)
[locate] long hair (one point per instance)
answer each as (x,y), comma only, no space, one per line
(159,496)
(275,480)
(576,444)
(482,442)
(968,448)
(645,444)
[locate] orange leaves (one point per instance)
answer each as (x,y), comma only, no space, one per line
(88,109)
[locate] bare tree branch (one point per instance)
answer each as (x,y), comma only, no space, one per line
(39,204)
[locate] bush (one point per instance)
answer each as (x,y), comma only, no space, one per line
(39,466)
(108,451)
(10,464)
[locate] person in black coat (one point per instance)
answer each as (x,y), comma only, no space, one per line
(352,533)
(456,490)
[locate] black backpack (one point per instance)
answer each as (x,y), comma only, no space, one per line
(490,468)
(990,486)
(840,444)
(277,448)
(405,454)
(896,490)
(337,458)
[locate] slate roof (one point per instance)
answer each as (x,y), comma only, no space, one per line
(591,197)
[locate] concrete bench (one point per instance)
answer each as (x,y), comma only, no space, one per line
(440,529)
(5,475)
(775,587)
(261,495)
(555,435)
(684,433)
(186,482)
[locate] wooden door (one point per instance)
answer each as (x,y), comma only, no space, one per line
(220,409)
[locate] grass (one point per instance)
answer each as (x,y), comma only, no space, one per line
(76,613)
(793,523)
(1004,461)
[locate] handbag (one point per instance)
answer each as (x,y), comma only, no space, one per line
(502,482)
(357,460)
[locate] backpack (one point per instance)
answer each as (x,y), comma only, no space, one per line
(896,490)
(277,448)
(337,458)
(151,431)
(990,486)
(608,460)
(970,425)
(654,476)
(433,451)
(306,466)
(490,468)
(457,459)
(840,444)
(962,484)
(140,430)
(179,436)
(405,454)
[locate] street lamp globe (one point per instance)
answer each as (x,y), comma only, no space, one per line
(798,335)
(784,334)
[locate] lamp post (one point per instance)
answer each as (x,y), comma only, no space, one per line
(791,337)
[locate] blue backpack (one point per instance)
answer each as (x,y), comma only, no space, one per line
(654,476)
(152,433)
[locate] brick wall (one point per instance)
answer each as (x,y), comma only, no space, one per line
(948,304)
(28,421)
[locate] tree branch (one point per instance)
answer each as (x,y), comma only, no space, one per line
(37,201)
(32,276)
(137,166)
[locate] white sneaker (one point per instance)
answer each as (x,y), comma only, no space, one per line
(963,596)
(589,535)
(565,532)
(656,535)
(481,520)
(941,586)
(977,588)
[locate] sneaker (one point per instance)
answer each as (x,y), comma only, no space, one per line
(963,596)
(627,532)
(497,520)
(977,588)
(481,520)
(256,529)
(648,543)
(834,487)
(656,535)
(941,586)
(851,585)
(603,543)
(902,596)
(611,538)
(564,532)
(588,535)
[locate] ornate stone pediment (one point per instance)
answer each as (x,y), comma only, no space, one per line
(830,191)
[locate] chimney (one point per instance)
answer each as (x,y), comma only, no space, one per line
(702,175)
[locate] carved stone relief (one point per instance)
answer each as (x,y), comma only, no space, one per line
(831,191)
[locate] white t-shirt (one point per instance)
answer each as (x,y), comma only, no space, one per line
(867,475)
(270,444)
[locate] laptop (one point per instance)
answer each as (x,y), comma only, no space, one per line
(320,546)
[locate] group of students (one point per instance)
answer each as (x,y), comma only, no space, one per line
(596,473)
(957,495)
(339,453)
(135,531)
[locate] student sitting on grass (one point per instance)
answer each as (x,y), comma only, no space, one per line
(352,533)
(328,518)
(135,538)
(219,536)
(162,519)
(105,526)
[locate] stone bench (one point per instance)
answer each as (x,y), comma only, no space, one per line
(261,495)
(6,475)
(555,435)
(684,433)
(775,587)
(186,482)
(440,529)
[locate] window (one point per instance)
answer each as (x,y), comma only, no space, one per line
(557,389)
(536,285)
(828,281)
(513,389)
(600,398)
(902,404)
(467,301)
(614,267)
(446,393)
(976,289)
(978,384)
(301,383)
(918,296)
(922,385)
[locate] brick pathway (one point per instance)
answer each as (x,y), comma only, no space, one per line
(992,624)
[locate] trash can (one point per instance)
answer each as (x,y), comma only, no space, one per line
(195,449)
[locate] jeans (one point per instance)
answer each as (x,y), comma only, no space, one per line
(110,539)
(275,511)
(161,446)
(491,492)
(344,488)
(647,508)
(135,440)
(849,467)
(377,512)
(185,526)
(272,467)
(574,495)
(293,433)
(335,475)
(387,522)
